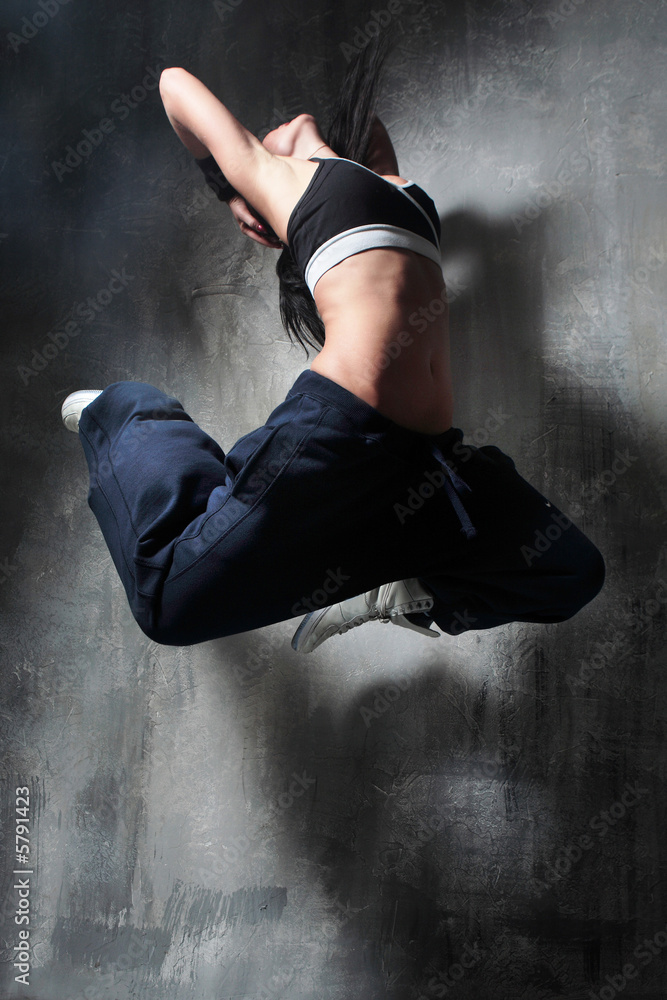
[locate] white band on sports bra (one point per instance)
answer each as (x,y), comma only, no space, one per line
(370,237)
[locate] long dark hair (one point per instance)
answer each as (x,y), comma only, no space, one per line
(349,136)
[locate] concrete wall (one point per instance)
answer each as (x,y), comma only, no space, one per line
(479,816)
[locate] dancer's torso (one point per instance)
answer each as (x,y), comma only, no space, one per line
(385,315)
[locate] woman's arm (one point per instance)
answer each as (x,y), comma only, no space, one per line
(188,138)
(204,125)
(248,222)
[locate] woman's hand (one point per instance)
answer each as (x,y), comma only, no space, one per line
(281,142)
(251,225)
(200,120)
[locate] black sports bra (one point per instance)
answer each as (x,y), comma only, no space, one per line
(348,208)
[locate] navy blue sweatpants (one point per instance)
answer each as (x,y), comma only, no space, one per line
(325,501)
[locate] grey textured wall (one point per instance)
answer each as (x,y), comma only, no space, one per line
(480,816)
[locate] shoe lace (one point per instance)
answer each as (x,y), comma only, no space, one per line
(377,614)
(359,620)
(424,604)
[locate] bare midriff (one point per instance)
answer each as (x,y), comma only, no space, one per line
(387,338)
(386,325)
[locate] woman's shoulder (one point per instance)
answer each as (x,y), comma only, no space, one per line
(393,179)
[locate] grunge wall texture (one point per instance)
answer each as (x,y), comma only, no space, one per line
(391,817)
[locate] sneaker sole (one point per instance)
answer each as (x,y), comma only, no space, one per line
(74,404)
(305,629)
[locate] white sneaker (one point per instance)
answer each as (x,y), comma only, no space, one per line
(74,404)
(388,603)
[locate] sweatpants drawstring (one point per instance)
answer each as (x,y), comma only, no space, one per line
(455,486)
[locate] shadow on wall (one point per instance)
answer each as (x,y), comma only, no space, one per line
(446,827)
(416,813)
(416,809)
(495,287)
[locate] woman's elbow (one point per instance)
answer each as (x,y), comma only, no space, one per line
(173,79)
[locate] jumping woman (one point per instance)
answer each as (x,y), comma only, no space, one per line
(357,499)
